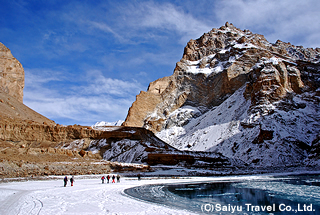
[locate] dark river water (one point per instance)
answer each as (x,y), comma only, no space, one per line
(248,195)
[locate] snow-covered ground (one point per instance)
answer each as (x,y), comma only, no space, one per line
(90,196)
(87,196)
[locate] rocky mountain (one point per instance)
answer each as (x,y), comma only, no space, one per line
(237,94)
(14,111)
(31,144)
(11,92)
(11,74)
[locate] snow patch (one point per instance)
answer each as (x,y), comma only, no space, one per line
(103,123)
(244,46)
(208,130)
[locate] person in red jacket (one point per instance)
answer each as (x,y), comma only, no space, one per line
(113,177)
(71,180)
(102,179)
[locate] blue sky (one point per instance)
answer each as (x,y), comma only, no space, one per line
(85,61)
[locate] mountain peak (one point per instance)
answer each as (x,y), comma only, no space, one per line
(264,80)
(213,67)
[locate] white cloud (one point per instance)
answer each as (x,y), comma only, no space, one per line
(105,28)
(297,22)
(98,84)
(97,99)
(166,17)
(134,38)
(80,109)
(34,77)
(131,21)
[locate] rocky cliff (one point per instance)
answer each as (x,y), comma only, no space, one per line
(11,92)
(33,145)
(216,65)
(11,74)
(235,93)
(14,111)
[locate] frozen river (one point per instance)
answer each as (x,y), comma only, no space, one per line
(239,195)
(190,195)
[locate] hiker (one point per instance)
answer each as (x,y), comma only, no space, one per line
(139,177)
(113,177)
(72,180)
(108,178)
(118,178)
(102,179)
(65,181)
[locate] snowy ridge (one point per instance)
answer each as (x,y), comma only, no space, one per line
(128,145)
(212,65)
(231,129)
(126,151)
(208,130)
(103,123)
(107,126)
(276,124)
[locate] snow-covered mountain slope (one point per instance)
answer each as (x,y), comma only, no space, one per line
(129,145)
(210,129)
(281,137)
(216,65)
(103,123)
(138,145)
(235,93)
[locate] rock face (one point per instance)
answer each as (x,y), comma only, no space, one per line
(29,133)
(11,74)
(14,111)
(11,92)
(235,93)
(216,65)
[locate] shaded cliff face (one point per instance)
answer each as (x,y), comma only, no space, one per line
(11,74)
(235,93)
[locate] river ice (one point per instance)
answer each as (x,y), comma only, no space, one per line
(295,194)
(87,196)
(90,196)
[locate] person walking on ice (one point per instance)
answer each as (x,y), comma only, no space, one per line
(108,178)
(113,177)
(102,179)
(72,180)
(65,180)
(118,178)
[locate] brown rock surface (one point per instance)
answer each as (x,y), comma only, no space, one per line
(217,64)
(11,92)
(30,133)
(33,145)
(14,111)
(11,74)
(138,112)
(32,162)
